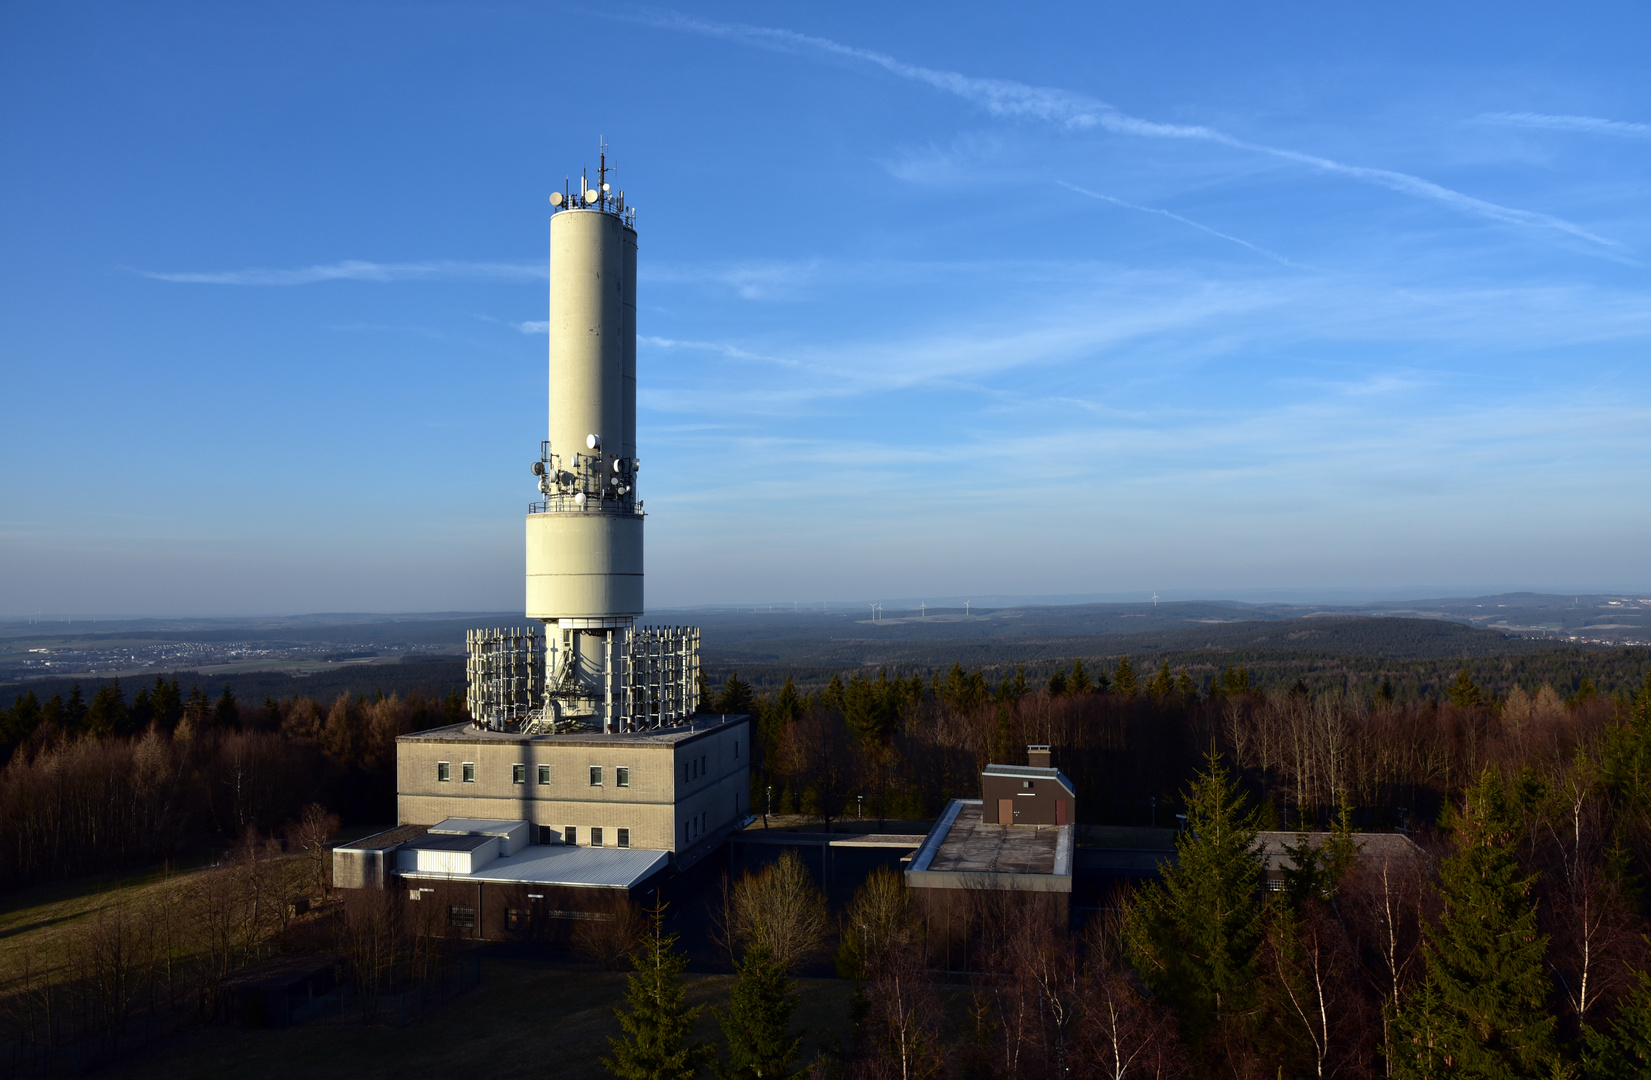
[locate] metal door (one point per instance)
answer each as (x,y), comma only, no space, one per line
(1006,811)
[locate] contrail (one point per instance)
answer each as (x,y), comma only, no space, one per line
(1005,97)
(1185,221)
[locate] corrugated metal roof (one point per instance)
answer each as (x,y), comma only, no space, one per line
(554,864)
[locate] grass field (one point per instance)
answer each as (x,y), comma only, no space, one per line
(527,1019)
(38,925)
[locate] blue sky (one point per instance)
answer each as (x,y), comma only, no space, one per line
(1201,299)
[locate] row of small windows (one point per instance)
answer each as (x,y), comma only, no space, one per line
(570,836)
(692,769)
(518,774)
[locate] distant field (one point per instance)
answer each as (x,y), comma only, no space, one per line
(1524,638)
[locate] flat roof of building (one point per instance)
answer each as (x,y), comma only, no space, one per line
(962,851)
(699,726)
(555,864)
(449,842)
(384,841)
(484,826)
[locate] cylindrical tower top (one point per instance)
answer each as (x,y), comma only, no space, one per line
(584,542)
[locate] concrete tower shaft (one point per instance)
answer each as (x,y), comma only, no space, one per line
(592,333)
(584,543)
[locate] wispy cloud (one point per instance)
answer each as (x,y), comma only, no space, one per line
(358,270)
(1590,125)
(1065,108)
(753,280)
(533,327)
(1185,221)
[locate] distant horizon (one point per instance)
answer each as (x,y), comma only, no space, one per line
(1290,597)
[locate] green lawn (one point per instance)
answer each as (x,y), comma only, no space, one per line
(528,1018)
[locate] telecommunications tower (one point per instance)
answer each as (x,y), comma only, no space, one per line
(592,667)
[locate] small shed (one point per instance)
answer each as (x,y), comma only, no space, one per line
(1032,794)
(279,992)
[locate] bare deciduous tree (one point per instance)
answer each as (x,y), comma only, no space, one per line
(780,907)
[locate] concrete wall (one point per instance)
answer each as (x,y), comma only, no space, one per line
(699,782)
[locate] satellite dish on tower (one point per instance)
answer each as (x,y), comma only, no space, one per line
(556,198)
(591,195)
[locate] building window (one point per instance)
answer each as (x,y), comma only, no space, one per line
(544,834)
(596,836)
(461,916)
(684,832)
(444,771)
(518,774)
(1027,784)
(622,776)
(736,749)
(570,835)
(544,776)
(468,770)
(596,776)
(685,775)
(622,838)
(517,919)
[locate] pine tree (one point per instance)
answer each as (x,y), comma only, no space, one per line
(1464,692)
(656,1025)
(1162,683)
(1080,682)
(736,696)
(755,1021)
(1624,1051)
(1057,683)
(1487,984)
(1124,678)
(227,712)
(1194,935)
(1185,688)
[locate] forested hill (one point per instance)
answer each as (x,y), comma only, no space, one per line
(429,678)
(1031,639)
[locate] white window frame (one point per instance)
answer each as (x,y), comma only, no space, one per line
(622,776)
(596,776)
(467,772)
(544,776)
(444,772)
(518,773)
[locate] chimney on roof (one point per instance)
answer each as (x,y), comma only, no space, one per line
(1038,757)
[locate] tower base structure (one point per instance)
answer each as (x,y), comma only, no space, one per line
(607,675)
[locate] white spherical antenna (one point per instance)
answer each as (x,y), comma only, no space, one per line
(618,465)
(592,442)
(556,198)
(606,188)
(579,499)
(592,195)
